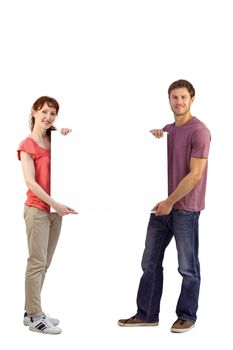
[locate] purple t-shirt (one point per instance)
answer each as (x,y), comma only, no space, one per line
(191,139)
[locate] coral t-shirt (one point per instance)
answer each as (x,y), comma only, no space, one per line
(42,159)
(191,139)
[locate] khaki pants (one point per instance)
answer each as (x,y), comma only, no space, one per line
(43,230)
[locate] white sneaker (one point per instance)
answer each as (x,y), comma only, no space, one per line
(44,325)
(27,320)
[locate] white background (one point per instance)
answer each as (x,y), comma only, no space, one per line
(109,64)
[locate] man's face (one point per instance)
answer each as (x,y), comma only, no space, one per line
(180,101)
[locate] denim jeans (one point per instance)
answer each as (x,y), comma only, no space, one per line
(183,225)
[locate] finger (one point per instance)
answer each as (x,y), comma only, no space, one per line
(72,211)
(65,131)
(155,209)
(153,132)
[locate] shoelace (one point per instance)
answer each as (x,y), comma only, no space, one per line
(182,322)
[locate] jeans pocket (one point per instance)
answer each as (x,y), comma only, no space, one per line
(183,212)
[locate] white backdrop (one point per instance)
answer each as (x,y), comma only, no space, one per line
(109,64)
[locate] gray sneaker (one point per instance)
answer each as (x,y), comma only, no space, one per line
(135,322)
(43,325)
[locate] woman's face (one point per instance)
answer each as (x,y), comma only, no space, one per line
(45,117)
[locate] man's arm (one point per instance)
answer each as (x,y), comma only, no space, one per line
(197,167)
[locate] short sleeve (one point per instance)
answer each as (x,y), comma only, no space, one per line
(27,146)
(201,143)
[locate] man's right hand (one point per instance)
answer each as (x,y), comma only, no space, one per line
(158,133)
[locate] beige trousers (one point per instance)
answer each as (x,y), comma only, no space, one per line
(43,230)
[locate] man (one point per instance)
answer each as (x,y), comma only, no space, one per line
(188,148)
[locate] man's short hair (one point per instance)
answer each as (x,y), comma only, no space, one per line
(182,84)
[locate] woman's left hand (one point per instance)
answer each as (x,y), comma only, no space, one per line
(65,131)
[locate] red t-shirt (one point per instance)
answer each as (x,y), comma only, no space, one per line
(191,139)
(41,158)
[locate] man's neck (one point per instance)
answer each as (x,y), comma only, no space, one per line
(182,119)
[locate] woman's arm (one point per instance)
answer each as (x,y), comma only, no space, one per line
(29,176)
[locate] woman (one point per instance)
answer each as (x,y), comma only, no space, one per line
(42,226)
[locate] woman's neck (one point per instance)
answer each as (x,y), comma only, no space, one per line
(39,134)
(41,137)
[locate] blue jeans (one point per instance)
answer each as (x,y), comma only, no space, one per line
(183,225)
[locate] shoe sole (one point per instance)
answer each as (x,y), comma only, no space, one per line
(175,330)
(138,324)
(38,331)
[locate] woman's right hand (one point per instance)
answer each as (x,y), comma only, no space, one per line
(62,209)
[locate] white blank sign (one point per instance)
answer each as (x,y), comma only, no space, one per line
(108,171)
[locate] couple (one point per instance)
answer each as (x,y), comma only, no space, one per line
(188,148)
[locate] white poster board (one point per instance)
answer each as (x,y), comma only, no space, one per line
(108,171)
